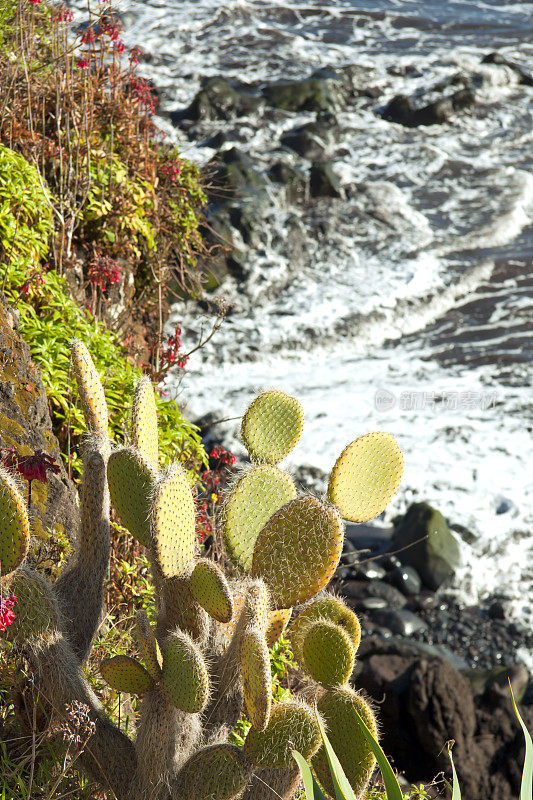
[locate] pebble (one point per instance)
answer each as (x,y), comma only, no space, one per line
(399,621)
(406,579)
(370,571)
(370,604)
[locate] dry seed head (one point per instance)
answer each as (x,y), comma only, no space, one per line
(185,681)
(14,525)
(329,608)
(292,726)
(256,495)
(210,589)
(337,707)
(173,523)
(366,476)
(144,427)
(298,550)
(278,621)
(328,654)
(125,674)
(148,645)
(256,677)
(131,483)
(271,426)
(90,388)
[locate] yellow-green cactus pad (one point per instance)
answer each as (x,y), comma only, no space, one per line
(181,610)
(131,483)
(36,610)
(218,772)
(148,645)
(144,428)
(14,525)
(324,608)
(125,674)
(278,621)
(256,678)
(292,726)
(90,388)
(271,426)
(173,523)
(328,654)
(185,682)
(337,707)
(210,589)
(257,606)
(366,476)
(254,498)
(298,550)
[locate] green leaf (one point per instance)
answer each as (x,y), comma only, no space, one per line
(526,788)
(343,790)
(456,791)
(312,789)
(392,786)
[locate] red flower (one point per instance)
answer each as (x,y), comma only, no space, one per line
(83,63)
(134,55)
(120,47)
(7,616)
(63,15)
(224,456)
(89,36)
(35,467)
(103,271)
(34,2)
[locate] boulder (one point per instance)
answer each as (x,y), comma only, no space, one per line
(232,173)
(430,546)
(312,139)
(217,99)
(402,110)
(294,181)
(399,621)
(525,78)
(327,89)
(323,182)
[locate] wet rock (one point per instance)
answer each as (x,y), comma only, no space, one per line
(369,571)
(399,621)
(369,604)
(217,99)
(390,562)
(356,590)
(294,181)
(327,89)
(323,182)
(406,579)
(430,547)
(312,139)
(497,58)
(497,610)
(402,110)
(233,173)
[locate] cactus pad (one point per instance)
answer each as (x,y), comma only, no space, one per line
(324,608)
(36,608)
(254,498)
(185,682)
(298,550)
(353,751)
(366,476)
(218,772)
(292,726)
(328,654)
(277,623)
(14,525)
(90,388)
(181,609)
(131,485)
(210,589)
(256,677)
(144,429)
(148,645)
(271,426)
(125,674)
(173,523)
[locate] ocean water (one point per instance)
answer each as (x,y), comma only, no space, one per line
(411,310)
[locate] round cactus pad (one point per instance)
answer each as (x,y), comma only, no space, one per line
(217,772)
(210,589)
(144,428)
(185,682)
(131,484)
(174,523)
(328,654)
(271,426)
(90,388)
(337,708)
(366,476)
(256,678)
(324,608)
(125,674)
(292,726)
(298,550)
(14,525)
(260,492)
(148,645)
(35,609)
(278,621)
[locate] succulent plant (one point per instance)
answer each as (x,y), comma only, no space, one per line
(207,657)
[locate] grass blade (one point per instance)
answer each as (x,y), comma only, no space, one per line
(312,789)
(343,790)
(456,791)
(526,789)
(392,786)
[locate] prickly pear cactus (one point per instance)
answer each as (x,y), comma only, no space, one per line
(206,659)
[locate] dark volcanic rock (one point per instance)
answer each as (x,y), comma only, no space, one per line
(327,89)
(323,181)
(356,590)
(497,58)
(233,173)
(217,99)
(431,548)
(406,579)
(402,110)
(369,571)
(312,139)
(294,180)
(398,620)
